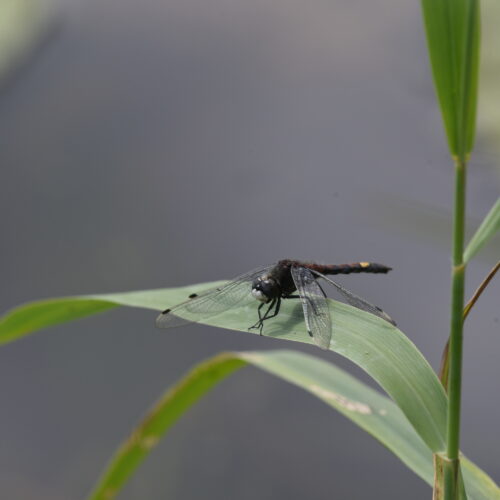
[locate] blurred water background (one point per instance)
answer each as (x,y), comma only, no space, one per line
(161,143)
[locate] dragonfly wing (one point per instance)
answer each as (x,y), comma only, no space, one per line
(314,305)
(211,302)
(356,301)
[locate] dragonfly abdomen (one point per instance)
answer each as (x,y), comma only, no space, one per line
(355,267)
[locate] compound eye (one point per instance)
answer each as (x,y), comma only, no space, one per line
(264,290)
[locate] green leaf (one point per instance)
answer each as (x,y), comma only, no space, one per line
(33,316)
(370,342)
(374,413)
(488,228)
(453,33)
(37,315)
(477,483)
(158,421)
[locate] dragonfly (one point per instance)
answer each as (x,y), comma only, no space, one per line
(269,286)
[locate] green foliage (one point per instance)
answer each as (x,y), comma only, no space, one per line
(34,316)
(159,420)
(453,31)
(419,421)
(372,343)
(453,34)
(487,230)
(413,428)
(374,413)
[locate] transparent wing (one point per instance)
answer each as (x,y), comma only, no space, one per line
(314,305)
(211,302)
(356,301)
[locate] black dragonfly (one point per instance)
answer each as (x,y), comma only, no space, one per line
(269,285)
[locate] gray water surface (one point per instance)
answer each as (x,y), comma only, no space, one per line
(156,144)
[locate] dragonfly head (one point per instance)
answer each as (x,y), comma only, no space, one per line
(265,289)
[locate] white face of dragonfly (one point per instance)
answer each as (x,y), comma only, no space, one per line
(265,289)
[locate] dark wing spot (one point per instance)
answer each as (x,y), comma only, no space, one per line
(310,333)
(166,311)
(193,295)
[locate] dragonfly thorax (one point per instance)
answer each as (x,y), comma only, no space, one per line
(265,289)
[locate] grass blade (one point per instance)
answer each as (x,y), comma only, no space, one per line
(156,424)
(453,31)
(487,230)
(370,342)
(34,316)
(373,412)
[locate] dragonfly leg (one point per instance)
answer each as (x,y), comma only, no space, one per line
(260,324)
(276,303)
(257,325)
(276,310)
(258,310)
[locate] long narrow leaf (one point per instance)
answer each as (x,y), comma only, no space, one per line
(373,412)
(487,230)
(165,413)
(379,348)
(453,31)
(33,316)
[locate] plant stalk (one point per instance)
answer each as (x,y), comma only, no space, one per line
(457,307)
(443,370)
